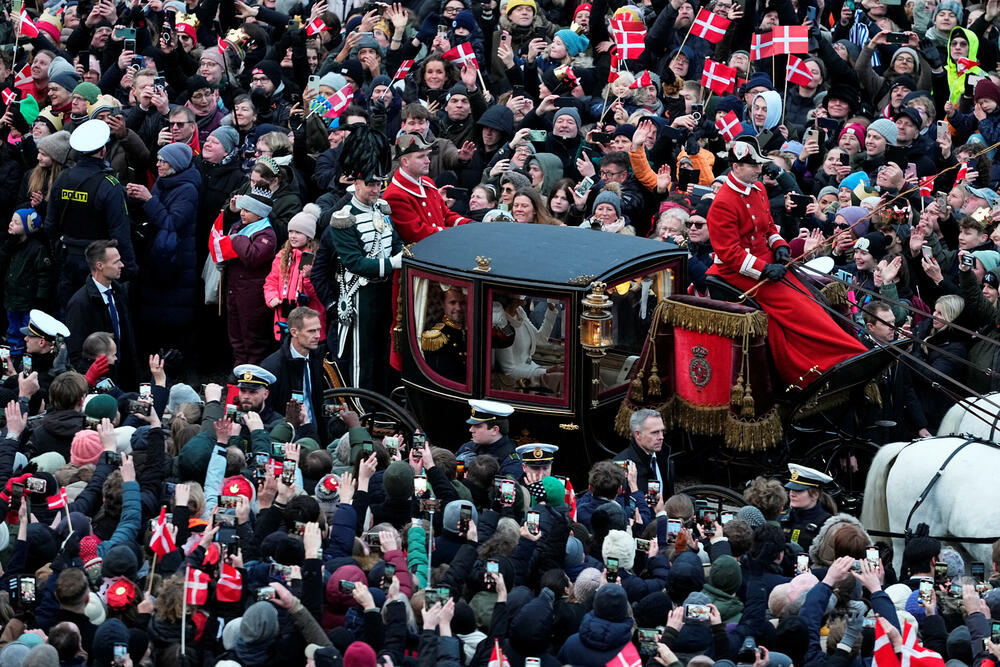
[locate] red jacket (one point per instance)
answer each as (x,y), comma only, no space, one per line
(418,214)
(742,230)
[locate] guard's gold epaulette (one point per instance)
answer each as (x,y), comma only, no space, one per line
(433,339)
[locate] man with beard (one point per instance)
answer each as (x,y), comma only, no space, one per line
(444,344)
(254,385)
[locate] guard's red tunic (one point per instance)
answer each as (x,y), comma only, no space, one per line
(800,333)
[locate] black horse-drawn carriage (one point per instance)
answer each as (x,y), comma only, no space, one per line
(571,327)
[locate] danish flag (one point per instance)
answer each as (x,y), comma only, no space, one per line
(613,75)
(641,81)
(162,543)
(404,69)
(570,499)
(497,658)
(797,72)
(630,39)
(27,28)
(962,175)
(315,27)
(222,46)
(57,501)
(711,26)
(230,586)
(883,654)
(964,65)
(339,102)
(23,77)
(790,39)
(718,78)
(729,126)
(761,45)
(196,586)
(220,246)
(627,657)
(927,187)
(915,655)
(461,55)
(8,96)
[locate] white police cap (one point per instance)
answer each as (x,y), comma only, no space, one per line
(43,325)
(90,136)
(537,453)
(803,477)
(487,411)
(251,376)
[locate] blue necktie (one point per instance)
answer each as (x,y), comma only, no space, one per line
(114,314)
(307,392)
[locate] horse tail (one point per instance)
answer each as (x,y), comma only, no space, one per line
(875,511)
(952,422)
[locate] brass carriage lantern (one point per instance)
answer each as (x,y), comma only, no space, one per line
(595,321)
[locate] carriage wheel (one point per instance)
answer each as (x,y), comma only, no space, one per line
(369,402)
(847,461)
(715,495)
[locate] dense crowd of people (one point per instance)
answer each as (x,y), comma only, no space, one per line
(191,183)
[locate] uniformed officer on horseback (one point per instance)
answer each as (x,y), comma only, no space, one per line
(805,515)
(489,427)
(88,204)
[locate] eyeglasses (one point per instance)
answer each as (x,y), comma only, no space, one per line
(201,95)
(179,123)
(696,225)
(606,173)
(260,79)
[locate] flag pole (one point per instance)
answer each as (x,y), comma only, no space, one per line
(784,97)
(152,569)
(184,604)
(430,545)
(683,42)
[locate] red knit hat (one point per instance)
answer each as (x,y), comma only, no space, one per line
(987,90)
(585,7)
(88,550)
(86,447)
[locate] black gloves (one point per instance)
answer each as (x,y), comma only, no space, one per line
(781,255)
(773,271)
(931,54)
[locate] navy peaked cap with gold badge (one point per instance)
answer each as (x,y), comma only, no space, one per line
(250,376)
(801,478)
(537,454)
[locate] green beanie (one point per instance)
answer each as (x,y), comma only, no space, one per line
(87,91)
(29,109)
(101,406)
(555,492)
(307,444)
(397,480)
(726,574)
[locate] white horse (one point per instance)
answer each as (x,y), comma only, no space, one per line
(976,416)
(965,501)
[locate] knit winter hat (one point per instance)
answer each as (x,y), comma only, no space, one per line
(359,654)
(56,146)
(619,544)
(397,480)
(120,561)
(987,90)
(465,19)
(227,136)
(568,111)
(95,610)
(88,550)
(752,516)
(652,610)
(956,565)
(87,91)
(85,448)
(65,79)
(575,44)
(333,80)
(177,155)
(213,55)
(952,6)
(260,623)
(256,201)
(514,4)
(725,574)
(101,406)
(453,514)
(271,70)
(515,178)
(886,128)
(857,129)
(586,584)
(611,603)
(305,221)
(49,462)
(30,219)
(872,243)
(555,492)
(608,197)
(42,655)
(574,552)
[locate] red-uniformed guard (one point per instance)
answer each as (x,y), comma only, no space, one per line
(804,340)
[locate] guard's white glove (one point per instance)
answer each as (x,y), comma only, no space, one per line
(396,261)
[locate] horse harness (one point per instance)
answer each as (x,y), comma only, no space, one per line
(907,533)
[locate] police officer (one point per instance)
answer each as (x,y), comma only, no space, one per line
(87,204)
(42,346)
(536,464)
(805,515)
(444,344)
(488,426)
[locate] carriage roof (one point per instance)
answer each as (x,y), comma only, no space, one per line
(539,254)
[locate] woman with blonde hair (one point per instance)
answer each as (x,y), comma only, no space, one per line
(288,284)
(53,156)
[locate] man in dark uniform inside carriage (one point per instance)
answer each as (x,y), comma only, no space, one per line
(444,344)
(489,427)
(368,252)
(804,340)
(805,514)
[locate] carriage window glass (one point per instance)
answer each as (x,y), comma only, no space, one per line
(527,345)
(633,304)
(440,326)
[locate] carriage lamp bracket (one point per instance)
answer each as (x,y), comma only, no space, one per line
(596,333)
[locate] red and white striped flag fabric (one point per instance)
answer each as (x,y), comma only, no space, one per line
(627,657)
(404,69)
(962,175)
(915,655)
(58,501)
(497,658)
(883,655)
(797,72)
(315,27)
(196,586)
(461,55)
(963,65)
(927,187)
(339,101)
(710,26)
(27,28)
(729,126)
(790,39)
(220,246)
(630,38)
(8,96)
(230,586)
(613,75)
(222,46)
(161,543)
(718,78)
(570,499)
(761,45)
(23,77)
(641,81)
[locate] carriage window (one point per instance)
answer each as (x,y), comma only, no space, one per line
(634,302)
(439,318)
(528,345)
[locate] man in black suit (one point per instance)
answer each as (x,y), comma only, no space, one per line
(298,372)
(652,459)
(102,305)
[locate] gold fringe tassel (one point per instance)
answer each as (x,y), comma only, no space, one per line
(718,322)
(701,419)
(653,384)
(835,293)
(753,435)
(873,394)
(635,393)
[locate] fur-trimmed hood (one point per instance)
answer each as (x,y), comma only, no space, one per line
(821,549)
